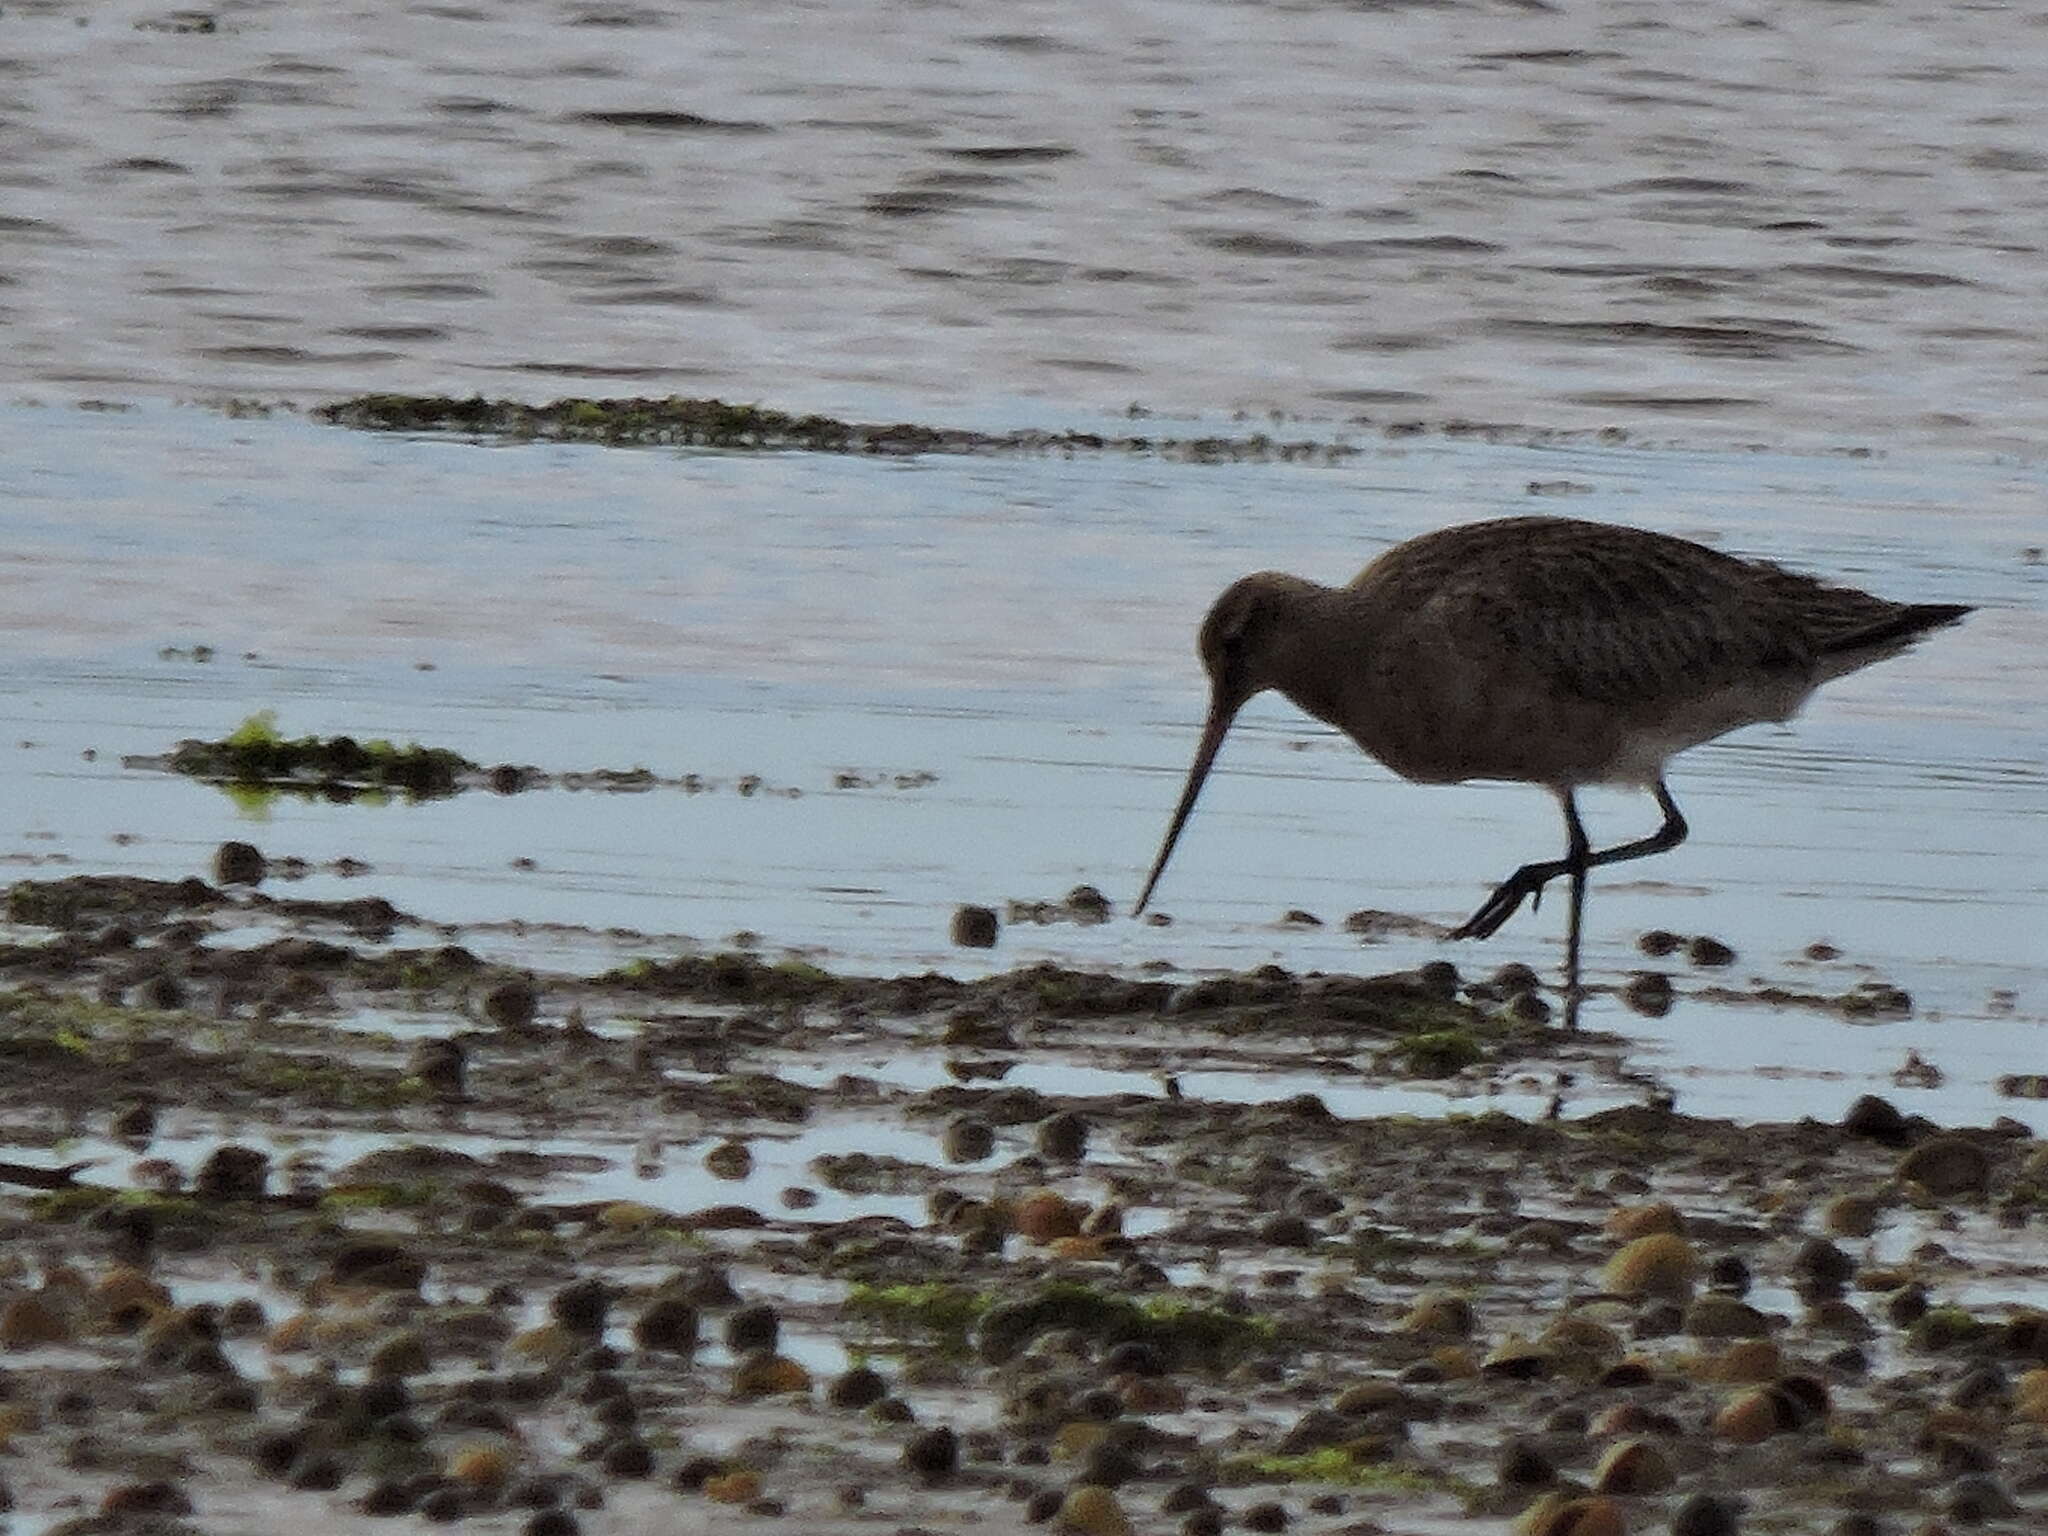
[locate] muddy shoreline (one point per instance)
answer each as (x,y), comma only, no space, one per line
(348,1226)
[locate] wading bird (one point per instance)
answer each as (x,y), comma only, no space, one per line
(1541,650)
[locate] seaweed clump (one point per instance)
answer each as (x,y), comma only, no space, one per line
(255,755)
(679,421)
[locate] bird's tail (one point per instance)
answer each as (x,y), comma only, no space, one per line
(1895,630)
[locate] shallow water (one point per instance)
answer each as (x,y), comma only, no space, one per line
(1816,228)
(1820,223)
(1019,629)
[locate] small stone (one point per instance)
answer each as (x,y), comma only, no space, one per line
(1947,1165)
(386,1266)
(729,1160)
(1521,1464)
(31,1321)
(1439,1314)
(740,1486)
(1085,904)
(403,1354)
(1877,1119)
(444,1506)
(386,1499)
(1062,1138)
(1558,1514)
(1634,1467)
(1719,1316)
(232,1173)
(441,1066)
(1851,1215)
(967,1139)
(317,1474)
(551,1522)
(628,1458)
(751,1328)
(1729,1273)
(512,1004)
(1092,1511)
(1977,1498)
(763,1373)
(1182,1497)
(975,927)
(1822,1266)
(1659,942)
(135,1122)
(1044,1216)
(1709,951)
(1661,1264)
(1648,993)
(1629,1222)
(1043,1505)
(239,864)
(1708,1514)
(860,1387)
(581,1307)
(1286,1230)
(1269,1515)
(1515,1358)
(134,1501)
(933,1453)
(668,1324)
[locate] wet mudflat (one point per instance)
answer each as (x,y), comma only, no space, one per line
(444,1142)
(369,1226)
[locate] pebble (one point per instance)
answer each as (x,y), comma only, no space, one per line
(512,1004)
(1717,1315)
(236,863)
(967,1139)
(1707,951)
(1877,1119)
(629,1458)
(1661,1264)
(581,1307)
(933,1453)
(750,1328)
(1062,1138)
(975,927)
(1092,1511)
(232,1173)
(860,1387)
(1947,1165)
(1634,1467)
(668,1324)
(1708,1514)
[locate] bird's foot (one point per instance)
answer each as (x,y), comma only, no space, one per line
(1525,884)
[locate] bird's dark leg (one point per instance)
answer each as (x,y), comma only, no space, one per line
(1578,855)
(1527,881)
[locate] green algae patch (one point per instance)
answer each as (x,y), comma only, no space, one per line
(1339,1464)
(1436,1053)
(255,756)
(77,900)
(949,1311)
(677,421)
(1946,1328)
(1187,1333)
(728,976)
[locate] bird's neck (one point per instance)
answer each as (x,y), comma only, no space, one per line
(1328,643)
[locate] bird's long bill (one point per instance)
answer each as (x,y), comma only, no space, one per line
(1221,713)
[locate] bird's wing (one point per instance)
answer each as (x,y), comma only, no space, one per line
(1620,627)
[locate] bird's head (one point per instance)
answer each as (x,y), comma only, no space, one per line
(1246,644)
